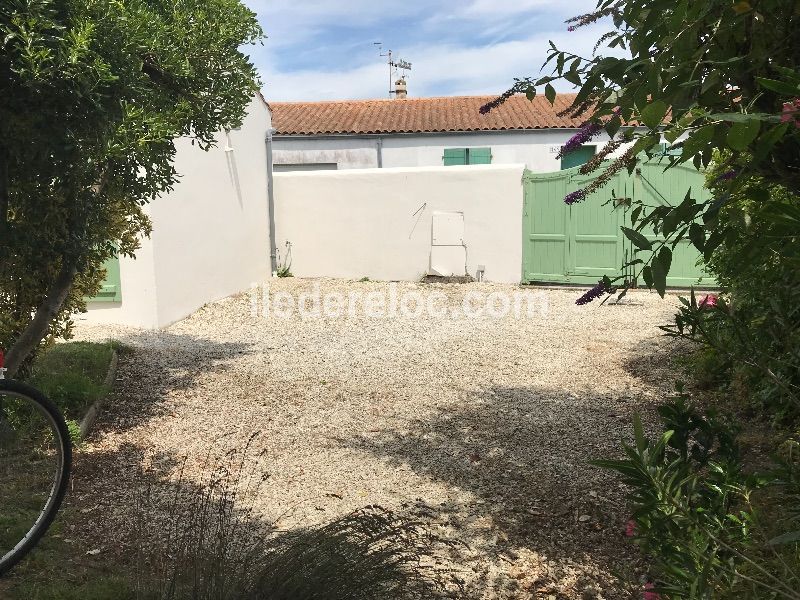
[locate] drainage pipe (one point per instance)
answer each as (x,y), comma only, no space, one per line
(273,245)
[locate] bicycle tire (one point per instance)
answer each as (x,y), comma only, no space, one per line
(61,479)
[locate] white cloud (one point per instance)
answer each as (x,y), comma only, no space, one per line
(457,69)
(492,8)
(312,54)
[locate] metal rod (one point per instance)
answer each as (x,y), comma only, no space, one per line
(273,246)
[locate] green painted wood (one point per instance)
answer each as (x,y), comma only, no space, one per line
(595,224)
(467,156)
(578,157)
(454,156)
(479,156)
(583,242)
(111,289)
(546,237)
(654,185)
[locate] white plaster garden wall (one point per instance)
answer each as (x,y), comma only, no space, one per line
(210,234)
(377,223)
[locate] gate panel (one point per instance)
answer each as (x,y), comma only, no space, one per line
(545,233)
(654,186)
(581,243)
(595,248)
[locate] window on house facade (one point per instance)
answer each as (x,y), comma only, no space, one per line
(467,156)
(578,157)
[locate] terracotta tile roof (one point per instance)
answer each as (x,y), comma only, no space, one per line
(418,115)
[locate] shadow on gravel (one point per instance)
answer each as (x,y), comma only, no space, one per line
(144,377)
(524,452)
(655,362)
(140,524)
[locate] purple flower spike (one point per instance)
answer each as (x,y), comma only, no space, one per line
(571,28)
(593,294)
(575,196)
(727,176)
(587,132)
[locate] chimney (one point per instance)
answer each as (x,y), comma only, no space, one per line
(400,89)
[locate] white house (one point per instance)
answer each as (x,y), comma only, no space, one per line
(424,132)
(210,234)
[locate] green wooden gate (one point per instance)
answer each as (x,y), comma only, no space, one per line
(583,242)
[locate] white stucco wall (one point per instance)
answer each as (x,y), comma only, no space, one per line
(536,149)
(210,234)
(376,223)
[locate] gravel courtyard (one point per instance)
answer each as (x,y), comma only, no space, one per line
(482,426)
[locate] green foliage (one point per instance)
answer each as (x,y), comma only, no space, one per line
(706,76)
(285,264)
(754,330)
(92,97)
(73,375)
(684,489)
(704,522)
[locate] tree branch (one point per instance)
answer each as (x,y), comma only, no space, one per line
(37,329)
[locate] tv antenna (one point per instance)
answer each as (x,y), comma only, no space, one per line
(395,65)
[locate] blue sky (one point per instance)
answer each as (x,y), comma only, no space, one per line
(323,49)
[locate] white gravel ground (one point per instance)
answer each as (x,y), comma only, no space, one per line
(482,425)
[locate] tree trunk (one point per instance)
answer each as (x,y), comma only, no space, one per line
(36,330)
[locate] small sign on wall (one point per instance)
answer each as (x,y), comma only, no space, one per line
(554,149)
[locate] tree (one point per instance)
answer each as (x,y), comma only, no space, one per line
(711,76)
(717,79)
(93,94)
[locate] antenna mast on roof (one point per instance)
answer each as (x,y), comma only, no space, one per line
(394,66)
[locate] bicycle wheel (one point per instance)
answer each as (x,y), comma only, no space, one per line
(35,459)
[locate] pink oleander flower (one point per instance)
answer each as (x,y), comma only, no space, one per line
(791,112)
(708,301)
(630,528)
(649,594)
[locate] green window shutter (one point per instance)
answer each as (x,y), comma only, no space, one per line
(110,290)
(577,158)
(455,156)
(480,156)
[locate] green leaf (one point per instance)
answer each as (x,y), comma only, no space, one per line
(572,77)
(647,275)
(641,242)
(738,117)
(697,141)
(660,271)
(713,241)
(665,258)
(672,134)
(635,214)
(768,140)
(697,235)
(781,87)
(638,432)
(653,114)
(550,93)
(742,134)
